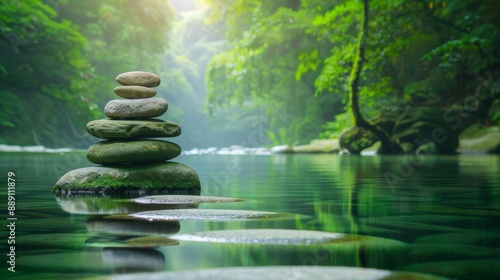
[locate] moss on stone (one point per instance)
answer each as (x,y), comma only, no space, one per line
(168,177)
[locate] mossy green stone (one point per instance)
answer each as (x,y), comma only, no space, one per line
(137,151)
(157,178)
(132,129)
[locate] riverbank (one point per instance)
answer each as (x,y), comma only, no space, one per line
(475,140)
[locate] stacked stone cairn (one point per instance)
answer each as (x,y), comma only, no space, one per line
(131,161)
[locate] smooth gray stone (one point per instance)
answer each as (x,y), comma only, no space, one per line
(134,92)
(138,78)
(266,236)
(132,129)
(208,214)
(167,177)
(135,108)
(280,272)
(135,151)
(181,199)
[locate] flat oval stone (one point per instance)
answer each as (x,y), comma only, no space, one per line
(134,92)
(135,151)
(138,78)
(266,236)
(181,199)
(207,214)
(135,108)
(157,178)
(280,272)
(132,129)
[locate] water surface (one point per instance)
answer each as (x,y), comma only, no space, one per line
(444,209)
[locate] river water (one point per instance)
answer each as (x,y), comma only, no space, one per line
(444,209)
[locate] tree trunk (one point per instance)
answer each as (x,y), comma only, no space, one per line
(388,147)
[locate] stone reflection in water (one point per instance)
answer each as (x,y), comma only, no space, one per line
(105,205)
(127,260)
(124,226)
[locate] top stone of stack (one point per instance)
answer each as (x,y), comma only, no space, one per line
(138,78)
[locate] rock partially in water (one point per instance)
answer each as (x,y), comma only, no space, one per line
(135,108)
(283,149)
(133,129)
(182,199)
(134,92)
(267,236)
(157,178)
(319,146)
(208,214)
(279,272)
(286,246)
(138,78)
(136,151)
(477,139)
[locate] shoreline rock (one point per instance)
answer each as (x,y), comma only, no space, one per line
(476,139)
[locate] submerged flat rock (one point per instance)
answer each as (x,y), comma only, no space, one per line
(182,199)
(207,214)
(280,272)
(265,236)
(134,92)
(133,129)
(157,178)
(138,78)
(136,151)
(135,108)
(286,237)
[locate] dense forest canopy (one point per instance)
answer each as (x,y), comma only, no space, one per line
(254,72)
(299,55)
(59,59)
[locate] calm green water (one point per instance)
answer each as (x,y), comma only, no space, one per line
(447,209)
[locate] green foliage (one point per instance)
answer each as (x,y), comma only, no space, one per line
(271,66)
(335,128)
(279,138)
(58,61)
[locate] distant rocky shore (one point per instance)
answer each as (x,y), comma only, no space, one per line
(473,140)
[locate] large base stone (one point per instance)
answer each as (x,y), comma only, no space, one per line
(157,178)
